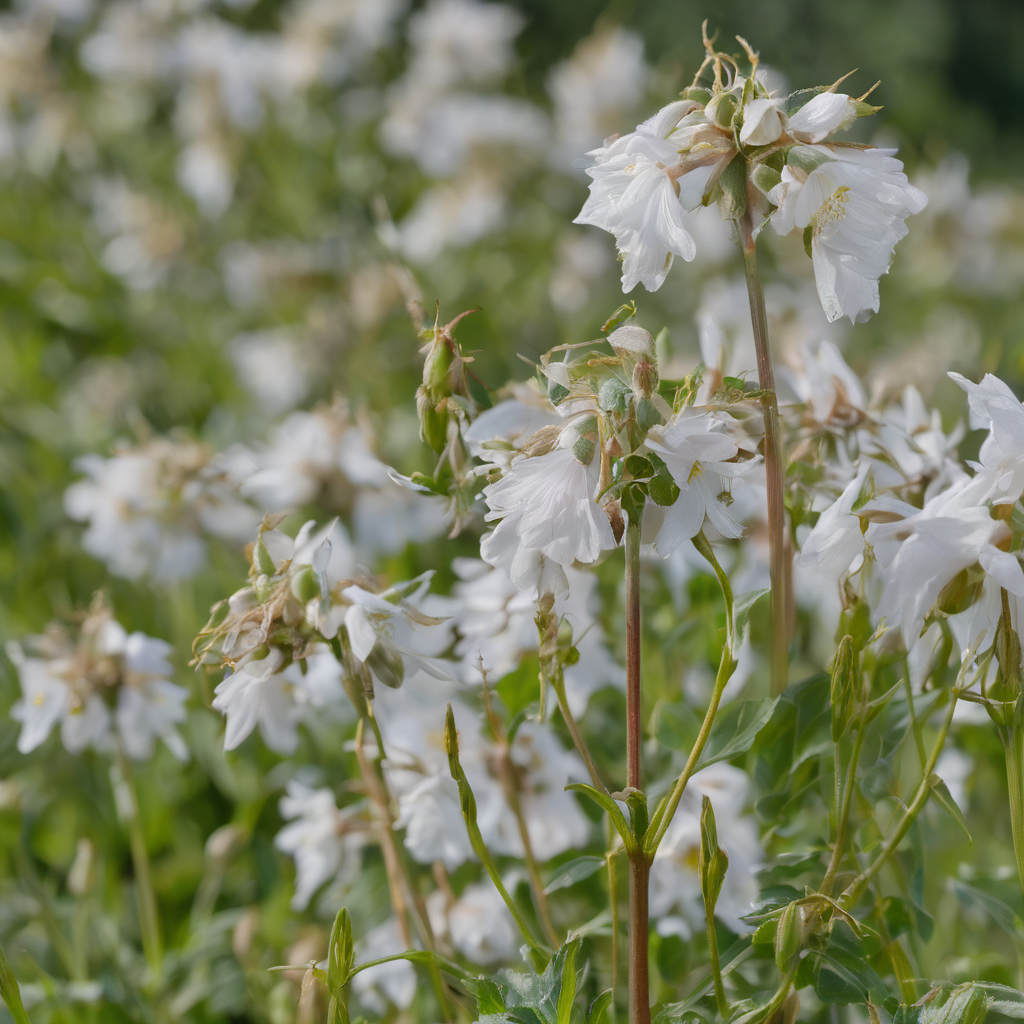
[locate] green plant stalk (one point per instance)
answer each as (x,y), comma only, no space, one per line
(915,725)
(149,921)
(536,885)
(613,898)
(773,462)
(639,862)
(768,1011)
(467,802)
(663,815)
(716,966)
(853,891)
(844,807)
(1014,746)
(558,685)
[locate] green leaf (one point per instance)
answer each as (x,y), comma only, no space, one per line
(943,797)
(732,203)
(677,727)
(489,1000)
(744,605)
(967,1004)
(622,314)
(735,729)
(567,993)
(598,1012)
(605,801)
(574,871)
(841,977)
(10,992)
(808,239)
(712,861)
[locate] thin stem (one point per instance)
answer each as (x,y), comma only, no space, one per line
(853,891)
(843,820)
(639,863)
(634,731)
(540,897)
(779,651)
(149,921)
(613,897)
(558,685)
(639,929)
(922,754)
(716,967)
(1014,746)
(663,817)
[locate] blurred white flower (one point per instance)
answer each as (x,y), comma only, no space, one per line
(146,507)
(480,927)
(106,688)
(602,80)
(324,842)
(392,983)
(273,365)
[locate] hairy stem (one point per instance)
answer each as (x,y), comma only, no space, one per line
(773,460)
(853,891)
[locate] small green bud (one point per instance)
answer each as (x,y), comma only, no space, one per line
(262,587)
(697,94)
(647,414)
(961,591)
(790,936)
(305,586)
(436,369)
(843,690)
(722,109)
(583,451)
(765,178)
(261,559)
(433,420)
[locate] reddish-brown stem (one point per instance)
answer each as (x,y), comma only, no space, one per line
(634,731)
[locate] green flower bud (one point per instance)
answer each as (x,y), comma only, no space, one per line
(305,586)
(790,936)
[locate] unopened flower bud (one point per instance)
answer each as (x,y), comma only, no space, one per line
(305,586)
(722,109)
(436,369)
(645,378)
(790,936)
(433,420)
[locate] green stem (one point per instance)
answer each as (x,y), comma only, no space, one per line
(922,754)
(768,1011)
(716,967)
(663,816)
(853,891)
(613,897)
(843,819)
(639,862)
(149,921)
(558,685)
(727,665)
(1014,746)
(773,460)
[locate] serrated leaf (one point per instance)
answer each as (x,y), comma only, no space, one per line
(574,871)
(943,797)
(735,729)
(488,997)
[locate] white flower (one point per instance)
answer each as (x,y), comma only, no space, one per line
(147,506)
(70,683)
(603,78)
(835,547)
(548,507)
(640,192)
(698,457)
(480,926)
(256,693)
(995,406)
(320,839)
(855,203)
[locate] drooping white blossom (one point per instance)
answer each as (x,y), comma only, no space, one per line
(855,203)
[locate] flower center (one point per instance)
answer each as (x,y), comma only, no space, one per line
(832,210)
